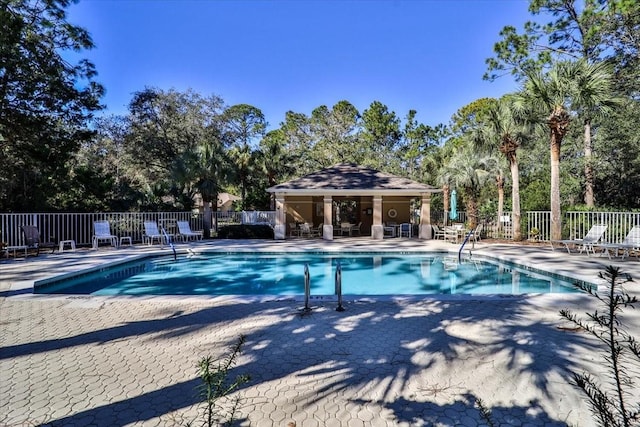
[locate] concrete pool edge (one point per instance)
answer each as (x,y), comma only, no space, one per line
(480,253)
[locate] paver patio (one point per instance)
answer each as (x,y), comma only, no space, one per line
(412,361)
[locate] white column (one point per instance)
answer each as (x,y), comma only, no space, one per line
(377,228)
(280,230)
(425,231)
(327,227)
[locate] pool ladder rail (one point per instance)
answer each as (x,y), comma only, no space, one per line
(307,287)
(339,286)
(170,243)
(466,239)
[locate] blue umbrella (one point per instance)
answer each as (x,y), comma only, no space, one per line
(453,214)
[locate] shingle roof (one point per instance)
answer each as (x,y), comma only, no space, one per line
(349,176)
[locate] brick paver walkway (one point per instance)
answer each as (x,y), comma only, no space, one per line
(99,361)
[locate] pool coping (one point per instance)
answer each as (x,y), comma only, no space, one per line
(567,275)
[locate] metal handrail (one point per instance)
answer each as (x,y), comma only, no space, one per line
(466,239)
(339,286)
(169,242)
(307,287)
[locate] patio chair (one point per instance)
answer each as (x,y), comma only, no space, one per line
(630,243)
(151,233)
(356,228)
(405,229)
(454,233)
(585,244)
(317,231)
(475,235)
(294,230)
(102,232)
(438,233)
(185,232)
(305,230)
(32,239)
(345,228)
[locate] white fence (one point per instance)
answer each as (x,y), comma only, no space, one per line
(576,224)
(79,226)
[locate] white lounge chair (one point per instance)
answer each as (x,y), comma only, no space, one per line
(438,233)
(630,243)
(585,244)
(185,233)
(102,232)
(151,233)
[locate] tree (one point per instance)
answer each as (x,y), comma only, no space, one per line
(334,134)
(273,159)
(45,101)
(466,171)
(175,140)
(594,31)
(418,148)
(551,93)
(593,98)
(501,129)
(380,136)
(243,125)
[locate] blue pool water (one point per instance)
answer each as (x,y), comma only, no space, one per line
(283,274)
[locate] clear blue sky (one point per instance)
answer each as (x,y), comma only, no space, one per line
(426,55)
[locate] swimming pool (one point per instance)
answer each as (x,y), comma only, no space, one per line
(283,274)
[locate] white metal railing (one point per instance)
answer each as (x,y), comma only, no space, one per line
(575,225)
(538,225)
(79,226)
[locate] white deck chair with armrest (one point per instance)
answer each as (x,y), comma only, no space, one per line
(151,233)
(585,244)
(630,243)
(102,231)
(184,231)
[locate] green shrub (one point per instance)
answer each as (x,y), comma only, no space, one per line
(245,231)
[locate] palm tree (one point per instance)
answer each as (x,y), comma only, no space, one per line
(273,159)
(551,94)
(211,170)
(466,171)
(496,167)
(568,85)
(244,124)
(504,130)
(593,98)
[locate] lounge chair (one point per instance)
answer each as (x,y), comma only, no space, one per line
(630,243)
(585,244)
(151,233)
(32,239)
(185,233)
(438,233)
(102,231)
(405,229)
